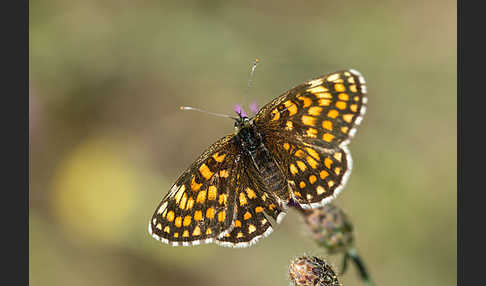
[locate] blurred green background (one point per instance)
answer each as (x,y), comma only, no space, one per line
(107,138)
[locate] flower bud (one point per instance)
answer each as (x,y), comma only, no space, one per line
(330,227)
(312,271)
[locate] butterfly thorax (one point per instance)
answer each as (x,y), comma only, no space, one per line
(246,135)
(252,143)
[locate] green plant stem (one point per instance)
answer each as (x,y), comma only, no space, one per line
(353,254)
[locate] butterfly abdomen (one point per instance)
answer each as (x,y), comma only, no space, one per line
(272,177)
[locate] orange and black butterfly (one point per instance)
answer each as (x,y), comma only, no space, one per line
(293,152)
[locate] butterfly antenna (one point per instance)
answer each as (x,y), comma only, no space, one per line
(208,112)
(252,71)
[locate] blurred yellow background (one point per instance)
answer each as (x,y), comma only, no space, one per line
(107,138)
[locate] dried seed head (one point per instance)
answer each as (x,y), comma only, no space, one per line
(312,271)
(330,227)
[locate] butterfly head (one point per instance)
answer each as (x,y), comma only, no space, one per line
(242,122)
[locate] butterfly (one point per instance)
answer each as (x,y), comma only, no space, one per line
(292,153)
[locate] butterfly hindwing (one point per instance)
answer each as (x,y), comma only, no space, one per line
(316,175)
(327,108)
(199,206)
(252,205)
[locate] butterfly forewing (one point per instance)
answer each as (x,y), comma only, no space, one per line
(199,206)
(327,108)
